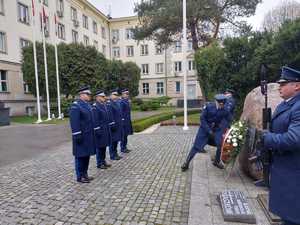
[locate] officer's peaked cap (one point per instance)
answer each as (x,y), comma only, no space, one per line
(85,90)
(115,91)
(100,93)
(220,98)
(125,90)
(289,75)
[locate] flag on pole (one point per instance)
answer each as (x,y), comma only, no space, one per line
(44,16)
(32,4)
(56,25)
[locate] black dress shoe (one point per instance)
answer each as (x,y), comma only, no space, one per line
(89,178)
(107,165)
(184,167)
(83,180)
(118,157)
(218,165)
(103,167)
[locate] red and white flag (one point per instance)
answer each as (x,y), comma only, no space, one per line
(44,16)
(56,25)
(32,5)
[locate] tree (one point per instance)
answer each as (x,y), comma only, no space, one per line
(161,20)
(288,10)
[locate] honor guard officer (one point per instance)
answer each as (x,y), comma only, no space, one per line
(126,125)
(102,131)
(214,121)
(115,124)
(82,126)
(230,103)
(283,141)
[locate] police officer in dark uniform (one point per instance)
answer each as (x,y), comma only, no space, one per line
(230,103)
(283,141)
(102,131)
(82,126)
(115,124)
(126,123)
(214,121)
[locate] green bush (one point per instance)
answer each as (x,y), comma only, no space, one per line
(142,124)
(137,101)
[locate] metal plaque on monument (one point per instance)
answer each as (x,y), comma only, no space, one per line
(235,207)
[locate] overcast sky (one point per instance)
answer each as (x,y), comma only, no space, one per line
(120,8)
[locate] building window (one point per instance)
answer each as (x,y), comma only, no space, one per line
(1,7)
(104,50)
(24,43)
(103,33)
(144,50)
(85,21)
(95,27)
(160,88)
(145,69)
(145,88)
(178,46)
(178,87)
(3,81)
(178,66)
(129,33)
(130,51)
(158,50)
(116,52)
(26,88)
(47,25)
(3,48)
(73,14)
(23,13)
(60,7)
(115,36)
(45,2)
(95,44)
(190,46)
(61,31)
(159,68)
(191,65)
(75,36)
(86,40)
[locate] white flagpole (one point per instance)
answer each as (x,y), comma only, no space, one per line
(184,66)
(39,120)
(46,66)
(57,72)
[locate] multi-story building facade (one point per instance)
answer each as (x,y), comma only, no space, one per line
(80,22)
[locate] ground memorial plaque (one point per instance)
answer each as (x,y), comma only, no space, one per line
(235,207)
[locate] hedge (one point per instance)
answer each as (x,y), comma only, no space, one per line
(141,124)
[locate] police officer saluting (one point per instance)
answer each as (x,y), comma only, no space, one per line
(283,141)
(214,121)
(102,131)
(115,124)
(126,123)
(82,126)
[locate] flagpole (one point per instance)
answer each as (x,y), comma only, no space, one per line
(46,66)
(39,120)
(184,65)
(57,71)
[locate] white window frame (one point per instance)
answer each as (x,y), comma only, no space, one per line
(75,36)
(85,21)
(61,31)
(160,88)
(158,50)
(190,46)
(159,68)
(74,14)
(115,34)
(26,88)
(129,33)
(178,46)
(130,51)
(103,32)
(96,44)
(178,66)
(192,65)
(3,81)
(23,13)
(24,43)
(95,27)
(145,69)
(86,40)
(144,49)
(60,6)
(3,45)
(146,89)
(176,86)
(2,9)
(116,52)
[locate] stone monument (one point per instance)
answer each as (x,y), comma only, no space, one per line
(4,115)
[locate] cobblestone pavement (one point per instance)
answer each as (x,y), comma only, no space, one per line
(145,187)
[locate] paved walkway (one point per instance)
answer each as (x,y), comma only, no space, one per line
(146,187)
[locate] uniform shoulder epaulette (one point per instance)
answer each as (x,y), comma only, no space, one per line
(75,102)
(94,104)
